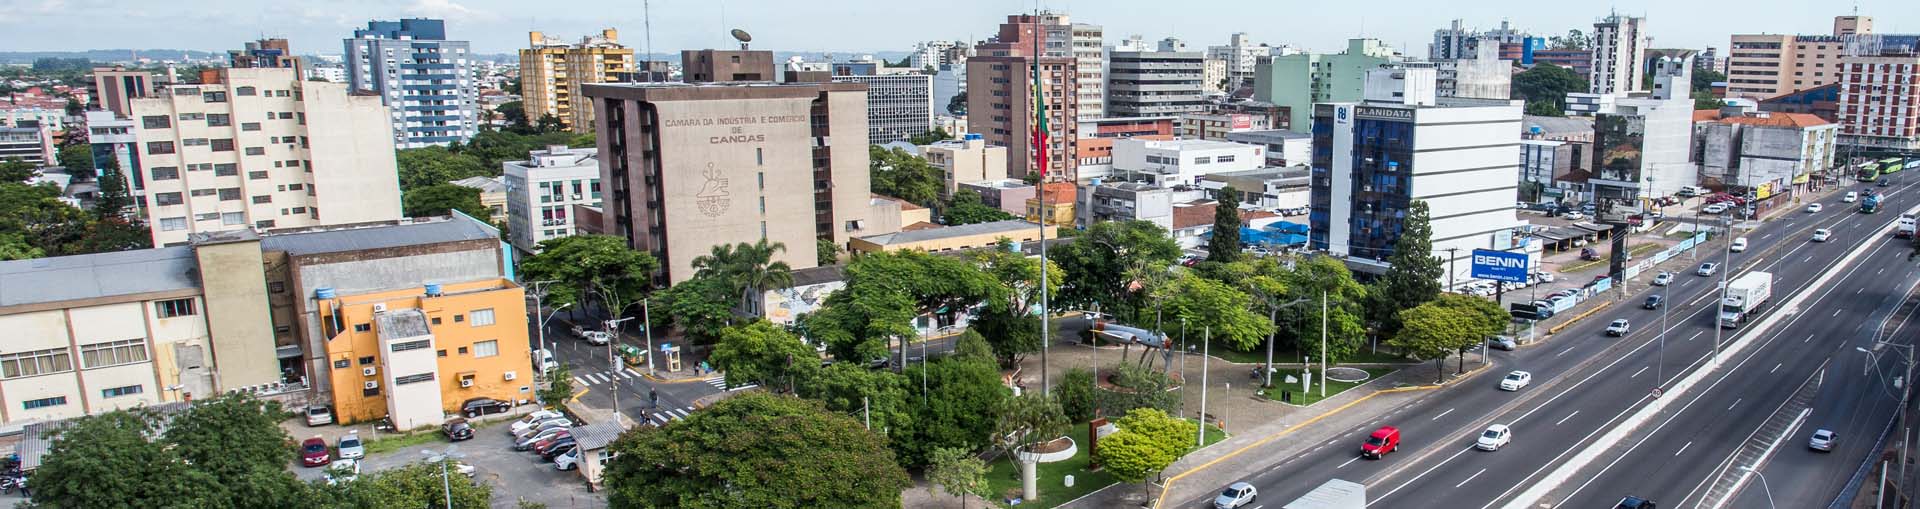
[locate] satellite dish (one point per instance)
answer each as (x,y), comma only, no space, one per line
(742,35)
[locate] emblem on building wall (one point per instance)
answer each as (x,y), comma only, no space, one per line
(713,197)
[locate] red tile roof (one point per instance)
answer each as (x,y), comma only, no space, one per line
(920,225)
(1193,214)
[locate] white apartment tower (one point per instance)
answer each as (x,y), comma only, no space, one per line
(542,190)
(1090,66)
(1240,55)
(261,148)
(1619,52)
(426,79)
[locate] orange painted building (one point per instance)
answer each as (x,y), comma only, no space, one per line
(420,353)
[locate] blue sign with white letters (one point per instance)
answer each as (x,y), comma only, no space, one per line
(1500,266)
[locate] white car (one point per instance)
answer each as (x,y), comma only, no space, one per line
(567,460)
(1812,208)
(1823,440)
(351,447)
(1495,437)
(342,470)
(1822,235)
(1236,495)
(1850,197)
(1714,208)
(1573,216)
(597,337)
(1707,269)
(1619,328)
(1544,277)
(1516,380)
(1663,278)
(1738,245)
(532,419)
(557,422)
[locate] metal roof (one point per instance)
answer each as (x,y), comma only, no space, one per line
(1011,225)
(65,278)
(596,435)
(418,232)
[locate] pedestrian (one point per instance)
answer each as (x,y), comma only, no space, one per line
(653,398)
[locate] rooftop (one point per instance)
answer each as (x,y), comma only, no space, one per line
(67,278)
(1764,119)
(1191,144)
(908,237)
(596,435)
(484,184)
(1264,173)
(383,235)
(1193,214)
(401,324)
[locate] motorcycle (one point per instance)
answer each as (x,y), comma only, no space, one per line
(385,424)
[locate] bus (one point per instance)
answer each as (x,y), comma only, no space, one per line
(1891,164)
(1867,171)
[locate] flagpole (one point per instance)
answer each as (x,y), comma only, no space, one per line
(1040,111)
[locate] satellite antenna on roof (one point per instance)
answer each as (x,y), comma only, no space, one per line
(743,37)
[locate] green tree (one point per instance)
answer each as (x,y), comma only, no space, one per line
(590,265)
(1706,101)
(1132,457)
(441,199)
(958,473)
(878,396)
(898,174)
(74,108)
(929,137)
(1448,324)
(417,484)
(1097,261)
(1545,88)
(1574,40)
(1703,80)
(13,246)
(755,451)
(763,354)
(885,292)
(17,170)
(966,208)
(1077,395)
(1224,247)
(237,440)
(1414,276)
(431,166)
(826,252)
(1172,433)
(559,387)
(971,345)
(749,268)
(515,113)
(1011,324)
(114,199)
(702,307)
(548,123)
(1310,278)
(1142,387)
(958,104)
(957,408)
(1025,421)
(78,160)
(107,461)
(1225,311)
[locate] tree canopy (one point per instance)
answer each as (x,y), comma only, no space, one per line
(958,407)
(763,354)
(1310,278)
(1414,276)
(885,292)
(966,208)
(929,137)
(1225,311)
(1147,442)
(587,268)
(898,174)
(958,472)
(78,160)
(1545,88)
(442,199)
(1451,323)
(1224,247)
(1097,262)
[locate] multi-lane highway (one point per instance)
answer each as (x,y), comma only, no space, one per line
(1585,384)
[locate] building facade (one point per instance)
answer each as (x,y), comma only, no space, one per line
(1762,66)
(1459,42)
(30,144)
(1239,58)
(1124,201)
(1577,60)
(899,106)
(1155,83)
(425,79)
(1766,152)
(261,149)
(713,66)
(1619,54)
(1000,98)
(1480,75)
(1879,104)
(1176,163)
(115,87)
(1642,150)
(265,53)
(1284,148)
(552,71)
(112,139)
(542,191)
(966,160)
(1297,82)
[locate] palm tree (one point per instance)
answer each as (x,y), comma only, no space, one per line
(717,263)
(757,272)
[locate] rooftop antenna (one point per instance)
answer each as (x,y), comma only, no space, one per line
(743,37)
(646,23)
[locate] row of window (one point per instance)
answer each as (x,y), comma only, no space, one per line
(60,360)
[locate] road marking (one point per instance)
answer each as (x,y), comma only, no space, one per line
(1862,289)
(1683,448)
(1776,367)
(1442,414)
(1470,478)
(576,381)
(1563,352)
(1696,335)
(1736,401)
(1810,336)
(1569,416)
(1881,271)
(1349,462)
(1809,259)
(1836,312)
(1636,374)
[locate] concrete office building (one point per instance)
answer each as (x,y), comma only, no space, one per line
(1641,150)
(966,160)
(1000,93)
(937,54)
(1265,188)
(1579,61)
(1481,75)
(425,79)
(715,65)
(1459,156)
(688,167)
(1459,42)
(1008,195)
(1216,126)
(1124,201)
(114,87)
(30,144)
(1284,148)
(543,190)
(1766,152)
(899,106)
(1240,56)
(1879,107)
(552,71)
(1619,54)
(1768,65)
(1297,82)
(1213,73)
(261,149)
(1174,163)
(54,119)
(1156,83)
(266,53)
(112,139)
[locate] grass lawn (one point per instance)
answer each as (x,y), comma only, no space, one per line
(1313,395)
(1003,475)
(1635,251)
(1259,355)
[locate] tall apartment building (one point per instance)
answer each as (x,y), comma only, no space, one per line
(1000,101)
(1213,74)
(29,144)
(552,71)
(115,87)
(263,149)
(1879,103)
(1457,41)
(688,167)
(111,137)
(542,190)
(899,106)
(1240,54)
(1481,75)
(425,80)
(265,53)
(1089,69)
(1768,65)
(1297,82)
(1619,54)
(936,54)
(1145,83)
(1373,159)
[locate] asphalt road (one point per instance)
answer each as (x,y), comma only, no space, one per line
(1584,382)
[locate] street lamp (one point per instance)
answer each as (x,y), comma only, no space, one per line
(1763,485)
(1903,384)
(1273,315)
(443,458)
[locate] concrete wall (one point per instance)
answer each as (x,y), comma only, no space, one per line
(355,175)
(237,313)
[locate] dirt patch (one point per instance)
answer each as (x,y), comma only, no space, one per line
(1052,446)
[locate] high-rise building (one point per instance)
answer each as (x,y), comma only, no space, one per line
(1457,41)
(1480,75)
(935,54)
(1000,98)
(1089,69)
(552,71)
(542,191)
(1297,82)
(899,106)
(687,167)
(1240,55)
(111,137)
(113,87)
(1619,54)
(1769,65)
(1642,149)
(1879,103)
(261,148)
(425,80)
(1143,83)
(265,53)
(1213,73)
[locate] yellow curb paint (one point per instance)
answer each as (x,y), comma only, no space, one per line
(1290,429)
(577,395)
(1556,329)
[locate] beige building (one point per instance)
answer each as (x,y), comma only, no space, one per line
(94,333)
(715,65)
(552,71)
(115,88)
(687,167)
(493,196)
(1001,102)
(953,238)
(261,149)
(966,160)
(1768,65)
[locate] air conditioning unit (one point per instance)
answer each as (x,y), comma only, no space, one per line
(466,382)
(371,385)
(368,371)
(510,376)
(380,308)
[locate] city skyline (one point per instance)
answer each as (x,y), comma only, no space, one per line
(500,27)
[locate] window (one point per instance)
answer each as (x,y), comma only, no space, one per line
(486,348)
(193,142)
(233,219)
(37,362)
(164,199)
(223,145)
(214,97)
(113,353)
(173,224)
(47,402)
(342,364)
(115,392)
(256,151)
(362,327)
(442,353)
(165,173)
(436,320)
(1223,159)
(192,116)
(257,175)
(276,286)
(463,351)
(173,308)
(482,317)
(286,115)
(370,392)
(412,345)
(263,224)
(243,91)
(230,194)
(459,318)
(160,147)
(413,379)
(249,126)
(210,216)
(263,199)
(219,120)
(225,169)
(198,193)
(156,122)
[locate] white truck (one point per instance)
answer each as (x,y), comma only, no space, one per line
(1905,225)
(1744,297)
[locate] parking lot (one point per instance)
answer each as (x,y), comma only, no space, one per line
(514,475)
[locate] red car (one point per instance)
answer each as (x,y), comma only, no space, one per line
(313,452)
(1382,441)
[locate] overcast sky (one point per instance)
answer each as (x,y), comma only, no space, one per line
(500,26)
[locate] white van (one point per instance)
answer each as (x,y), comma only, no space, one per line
(544,359)
(1738,245)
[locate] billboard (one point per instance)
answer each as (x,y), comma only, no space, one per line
(1500,266)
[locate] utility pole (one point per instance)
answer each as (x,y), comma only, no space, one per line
(1206,353)
(646,319)
(1450,258)
(613,362)
(1323,344)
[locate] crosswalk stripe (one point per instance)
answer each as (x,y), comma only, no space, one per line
(623,374)
(576,381)
(634,373)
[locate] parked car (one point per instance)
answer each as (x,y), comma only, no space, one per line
(1236,495)
(313,452)
(532,419)
(350,447)
(1597,279)
(457,429)
(1544,277)
(1822,235)
(1707,269)
(1813,208)
(1587,253)
(1382,441)
(578,331)
(1495,437)
(557,450)
(1502,343)
(1663,278)
(1619,328)
(568,460)
(560,422)
(484,406)
(1653,302)
(1850,197)
(1516,380)
(1715,208)
(544,358)
(1823,440)
(342,470)
(543,445)
(1573,216)
(529,442)
(319,416)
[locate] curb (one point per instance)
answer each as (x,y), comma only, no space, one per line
(1576,319)
(656,379)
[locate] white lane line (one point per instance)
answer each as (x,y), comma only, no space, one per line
(1696,335)
(1564,419)
(1683,448)
(1862,289)
(1442,414)
(1470,478)
(1882,270)
(1563,352)
(1810,336)
(1776,367)
(1809,259)
(1343,465)
(576,381)
(1736,401)
(1836,312)
(1636,374)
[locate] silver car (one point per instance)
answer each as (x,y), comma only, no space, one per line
(1823,440)
(1236,495)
